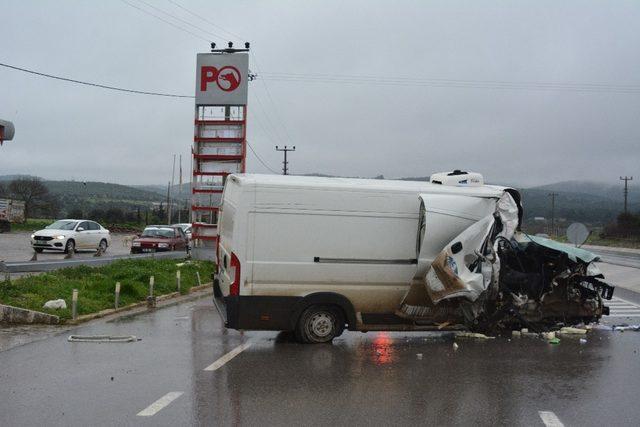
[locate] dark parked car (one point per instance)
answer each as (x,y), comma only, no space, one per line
(157,238)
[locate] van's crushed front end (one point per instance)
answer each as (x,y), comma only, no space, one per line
(493,276)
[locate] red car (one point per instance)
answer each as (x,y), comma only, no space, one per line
(157,238)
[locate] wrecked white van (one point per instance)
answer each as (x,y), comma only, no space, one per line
(318,255)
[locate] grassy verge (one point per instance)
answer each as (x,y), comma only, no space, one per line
(31,225)
(96,286)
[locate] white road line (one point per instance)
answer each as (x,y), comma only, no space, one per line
(550,419)
(159,404)
(227,357)
(618,299)
(622,308)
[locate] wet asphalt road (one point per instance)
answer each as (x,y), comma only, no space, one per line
(617,257)
(16,246)
(360,379)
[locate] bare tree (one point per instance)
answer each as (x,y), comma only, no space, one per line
(31,191)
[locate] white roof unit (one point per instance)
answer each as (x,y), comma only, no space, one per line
(457,178)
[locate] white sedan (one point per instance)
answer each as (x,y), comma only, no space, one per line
(70,235)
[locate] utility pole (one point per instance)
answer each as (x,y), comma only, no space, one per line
(285,163)
(553,213)
(626,180)
(168,203)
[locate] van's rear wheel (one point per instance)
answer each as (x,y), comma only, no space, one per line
(319,324)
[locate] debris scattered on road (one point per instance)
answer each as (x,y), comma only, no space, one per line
(455,346)
(625,327)
(516,334)
(103,338)
(473,335)
(548,335)
(55,304)
(419,356)
(572,331)
(583,341)
(554,341)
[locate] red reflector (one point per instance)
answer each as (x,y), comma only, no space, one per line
(234,289)
(218,254)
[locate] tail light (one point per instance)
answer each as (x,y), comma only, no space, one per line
(218,253)
(234,289)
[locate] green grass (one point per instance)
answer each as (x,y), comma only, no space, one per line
(31,225)
(96,286)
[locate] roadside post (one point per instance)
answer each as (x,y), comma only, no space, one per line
(178,280)
(151,300)
(117,302)
(74,304)
(198,277)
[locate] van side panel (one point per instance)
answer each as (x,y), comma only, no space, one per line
(357,244)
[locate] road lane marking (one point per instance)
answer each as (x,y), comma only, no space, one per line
(550,419)
(227,357)
(619,307)
(159,404)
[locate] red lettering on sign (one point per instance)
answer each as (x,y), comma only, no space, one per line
(207,75)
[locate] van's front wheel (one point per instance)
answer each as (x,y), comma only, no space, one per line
(319,324)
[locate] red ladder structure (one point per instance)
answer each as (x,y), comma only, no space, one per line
(219,149)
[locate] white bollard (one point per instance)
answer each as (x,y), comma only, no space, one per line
(74,304)
(151,300)
(117,302)
(198,277)
(178,280)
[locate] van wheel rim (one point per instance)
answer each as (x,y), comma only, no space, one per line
(103,245)
(321,325)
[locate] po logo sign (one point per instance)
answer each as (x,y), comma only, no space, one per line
(227,78)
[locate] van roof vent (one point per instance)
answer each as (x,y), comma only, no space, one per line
(457,177)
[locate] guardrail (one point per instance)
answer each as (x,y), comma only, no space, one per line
(41,266)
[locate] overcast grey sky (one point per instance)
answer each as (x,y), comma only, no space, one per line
(517,133)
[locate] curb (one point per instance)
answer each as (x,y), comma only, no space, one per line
(109,311)
(15,315)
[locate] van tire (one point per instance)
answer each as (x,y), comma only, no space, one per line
(319,324)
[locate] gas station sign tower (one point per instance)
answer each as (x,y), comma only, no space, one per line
(219,142)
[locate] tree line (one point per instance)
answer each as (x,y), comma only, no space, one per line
(41,203)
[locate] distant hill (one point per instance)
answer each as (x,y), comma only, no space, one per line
(594,202)
(609,191)
(78,194)
(12,177)
(177,192)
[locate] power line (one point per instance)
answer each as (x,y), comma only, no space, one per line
(272,127)
(205,20)
(163,20)
(278,118)
(102,86)
(275,109)
(179,19)
(259,158)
